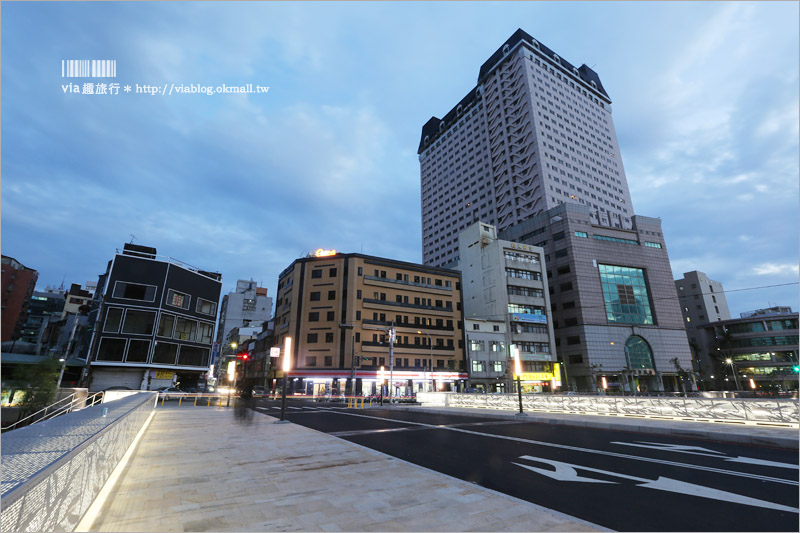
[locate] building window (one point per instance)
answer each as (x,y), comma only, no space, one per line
(581,234)
(653,244)
(139,322)
(311,360)
(358,336)
(523,274)
(358,315)
(615,239)
(525,309)
(331,295)
(496,328)
(315,296)
(497,366)
(138,350)
(113,320)
(360,271)
(332,273)
(330,316)
(165,325)
(311,338)
(476,326)
(185,330)
(313,316)
(575,359)
(561,253)
(565,286)
(206,307)
(638,353)
(135,291)
(475,346)
(111,349)
(625,293)
(316,273)
(358,294)
(206,332)
(165,353)
(328,360)
(177,299)
(193,356)
(477,366)
(329,337)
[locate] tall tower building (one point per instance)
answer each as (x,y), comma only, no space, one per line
(534,133)
(532,150)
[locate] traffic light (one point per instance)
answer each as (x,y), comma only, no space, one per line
(244,356)
(357,360)
(796,369)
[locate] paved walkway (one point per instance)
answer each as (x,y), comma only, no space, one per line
(198,469)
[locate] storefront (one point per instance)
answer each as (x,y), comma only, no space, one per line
(337,383)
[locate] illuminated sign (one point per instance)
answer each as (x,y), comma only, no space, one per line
(275,351)
(164,374)
(320,252)
(525,317)
(537,376)
(557,374)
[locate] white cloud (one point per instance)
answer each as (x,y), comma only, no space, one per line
(768,269)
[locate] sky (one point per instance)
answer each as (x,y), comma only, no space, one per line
(705,105)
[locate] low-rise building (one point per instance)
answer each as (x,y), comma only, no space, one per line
(18,283)
(349,315)
(487,355)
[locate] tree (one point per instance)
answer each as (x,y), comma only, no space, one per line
(682,374)
(41,383)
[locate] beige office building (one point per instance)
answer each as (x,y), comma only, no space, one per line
(339,310)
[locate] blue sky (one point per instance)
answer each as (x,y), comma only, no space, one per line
(705,107)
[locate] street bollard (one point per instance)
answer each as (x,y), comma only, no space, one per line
(180,400)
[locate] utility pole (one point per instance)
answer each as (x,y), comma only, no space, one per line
(391,361)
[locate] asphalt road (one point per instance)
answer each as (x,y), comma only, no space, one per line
(621,480)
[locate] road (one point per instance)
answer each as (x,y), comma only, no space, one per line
(621,480)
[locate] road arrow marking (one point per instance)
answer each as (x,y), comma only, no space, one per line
(678,448)
(568,472)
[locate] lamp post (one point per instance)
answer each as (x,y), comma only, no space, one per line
(287,365)
(733,370)
(392,334)
(518,372)
(63,362)
(430,357)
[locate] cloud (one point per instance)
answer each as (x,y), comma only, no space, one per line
(769,269)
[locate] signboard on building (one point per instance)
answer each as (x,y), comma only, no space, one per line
(275,351)
(536,376)
(163,374)
(525,317)
(214,352)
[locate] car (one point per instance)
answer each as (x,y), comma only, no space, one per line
(258,392)
(169,393)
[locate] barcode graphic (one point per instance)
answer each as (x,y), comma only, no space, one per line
(88,68)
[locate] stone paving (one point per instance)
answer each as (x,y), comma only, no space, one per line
(201,469)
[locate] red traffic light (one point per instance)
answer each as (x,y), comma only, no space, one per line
(244,356)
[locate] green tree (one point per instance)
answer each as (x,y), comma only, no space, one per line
(41,384)
(682,374)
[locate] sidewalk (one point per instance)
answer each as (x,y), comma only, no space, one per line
(198,469)
(779,437)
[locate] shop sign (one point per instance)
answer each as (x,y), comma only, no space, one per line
(164,374)
(536,376)
(525,317)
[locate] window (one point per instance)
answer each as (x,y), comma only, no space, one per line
(113,320)
(526,309)
(331,295)
(358,317)
(358,336)
(474,345)
(561,253)
(496,346)
(497,366)
(185,330)
(311,338)
(625,293)
(165,353)
(330,316)
(477,366)
(476,326)
(138,350)
(652,244)
(328,360)
(615,239)
(563,270)
(315,296)
(206,307)
(166,325)
(193,356)
(358,294)
(110,349)
(206,332)
(575,359)
(313,316)
(332,273)
(360,271)
(177,299)
(523,274)
(311,360)
(581,234)
(329,337)
(135,291)
(316,273)
(139,322)
(565,286)
(638,353)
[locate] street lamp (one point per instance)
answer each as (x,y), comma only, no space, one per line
(287,365)
(430,358)
(63,362)
(518,372)
(733,370)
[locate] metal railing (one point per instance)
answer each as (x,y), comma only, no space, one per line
(73,402)
(51,473)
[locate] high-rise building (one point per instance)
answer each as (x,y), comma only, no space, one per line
(505,281)
(534,133)
(18,283)
(155,322)
(246,308)
(339,310)
(532,150)
(702,299)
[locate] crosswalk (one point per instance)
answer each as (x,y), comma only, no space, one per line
(273,409)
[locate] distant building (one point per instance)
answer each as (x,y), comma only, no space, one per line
(702,299)
(339,310)
(505,281)
(156,322)
(76,298)
(247,306)
(43,304)
(18,283)
(488,360)
(762,347)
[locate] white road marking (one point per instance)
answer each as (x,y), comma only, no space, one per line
(568,472)
(711,453)
(586,450)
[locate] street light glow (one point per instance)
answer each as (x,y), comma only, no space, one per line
(729,360)
(517,362)
(287,362)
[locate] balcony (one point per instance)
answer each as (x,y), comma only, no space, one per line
(408,283)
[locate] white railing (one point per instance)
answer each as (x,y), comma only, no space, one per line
(73,402)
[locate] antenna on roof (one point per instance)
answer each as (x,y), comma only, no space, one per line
(132,237)
(592,67)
